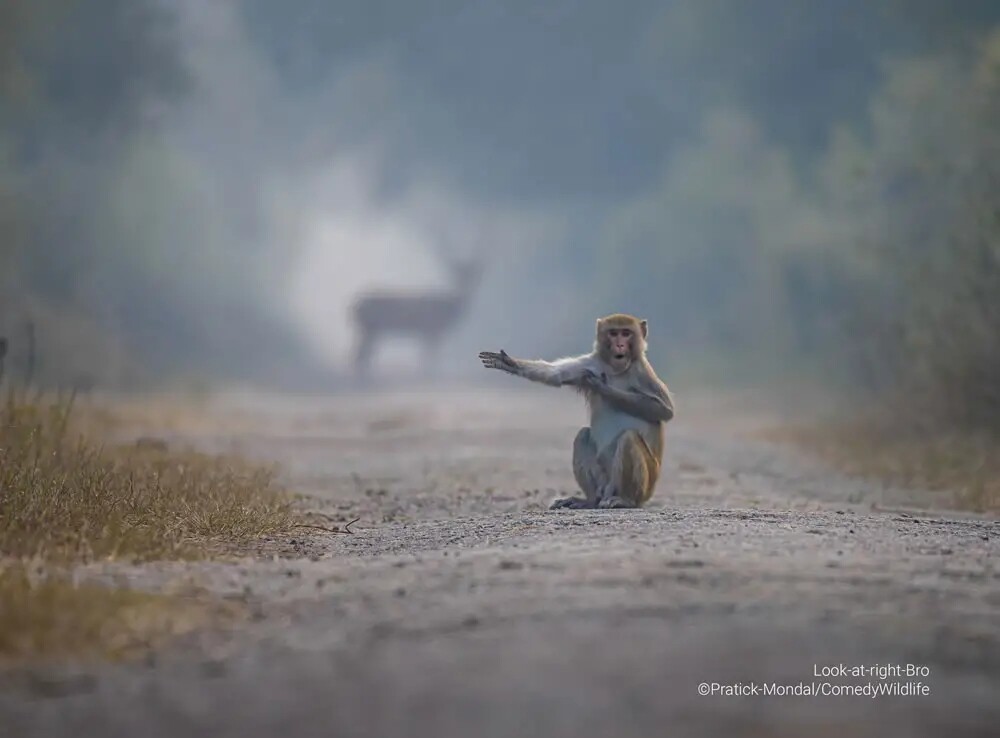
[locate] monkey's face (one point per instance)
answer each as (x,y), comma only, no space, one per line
(621,339)
(620,344)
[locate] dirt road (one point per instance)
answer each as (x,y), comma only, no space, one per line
(462,607)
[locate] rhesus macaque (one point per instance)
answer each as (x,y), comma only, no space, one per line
(617,459)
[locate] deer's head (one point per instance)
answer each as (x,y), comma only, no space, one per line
(466,273)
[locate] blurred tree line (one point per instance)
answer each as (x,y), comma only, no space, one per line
(115,250)
(779,186)
(872,261)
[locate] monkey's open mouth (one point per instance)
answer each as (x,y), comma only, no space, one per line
(619,357)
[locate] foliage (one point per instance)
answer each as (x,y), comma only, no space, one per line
(875,263)
(124,247)
(779,186)
(929,227)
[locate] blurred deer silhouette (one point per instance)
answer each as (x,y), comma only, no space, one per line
(428,316)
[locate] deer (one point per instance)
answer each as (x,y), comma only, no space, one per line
(427,315)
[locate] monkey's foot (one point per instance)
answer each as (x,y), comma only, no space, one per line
(609,503)
(572,503)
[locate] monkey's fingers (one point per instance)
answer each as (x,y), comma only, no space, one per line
(490,359)
(501,361)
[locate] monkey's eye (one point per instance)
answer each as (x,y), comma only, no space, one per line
(626,333)
(613,333)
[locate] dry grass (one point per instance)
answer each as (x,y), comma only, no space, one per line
(169,413)
(965,465)
(66,498)
(50,617)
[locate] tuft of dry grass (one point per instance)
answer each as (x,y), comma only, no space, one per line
(966,465)
(170,413)
(47,617)
(66,498)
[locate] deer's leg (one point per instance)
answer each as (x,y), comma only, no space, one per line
(366,346)
(432,352)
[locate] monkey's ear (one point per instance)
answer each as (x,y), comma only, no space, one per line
(644,327)
(600,326)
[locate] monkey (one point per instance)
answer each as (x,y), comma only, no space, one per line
(617,459)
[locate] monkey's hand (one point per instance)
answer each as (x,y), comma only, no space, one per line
(593,381)
(501,361)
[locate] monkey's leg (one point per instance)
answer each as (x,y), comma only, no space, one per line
(633,473)
(588,472)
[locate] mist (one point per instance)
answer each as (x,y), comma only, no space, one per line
(342,214)
(205,189)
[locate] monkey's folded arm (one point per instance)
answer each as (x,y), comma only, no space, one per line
(653,405)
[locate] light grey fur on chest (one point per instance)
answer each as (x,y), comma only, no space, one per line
(607,423)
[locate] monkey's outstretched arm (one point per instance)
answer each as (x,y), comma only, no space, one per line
(552,373)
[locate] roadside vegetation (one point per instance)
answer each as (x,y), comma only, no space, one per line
(961,469)
(67,499)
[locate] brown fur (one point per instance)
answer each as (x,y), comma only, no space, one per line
(617,459)
(639,330)
(635,467)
